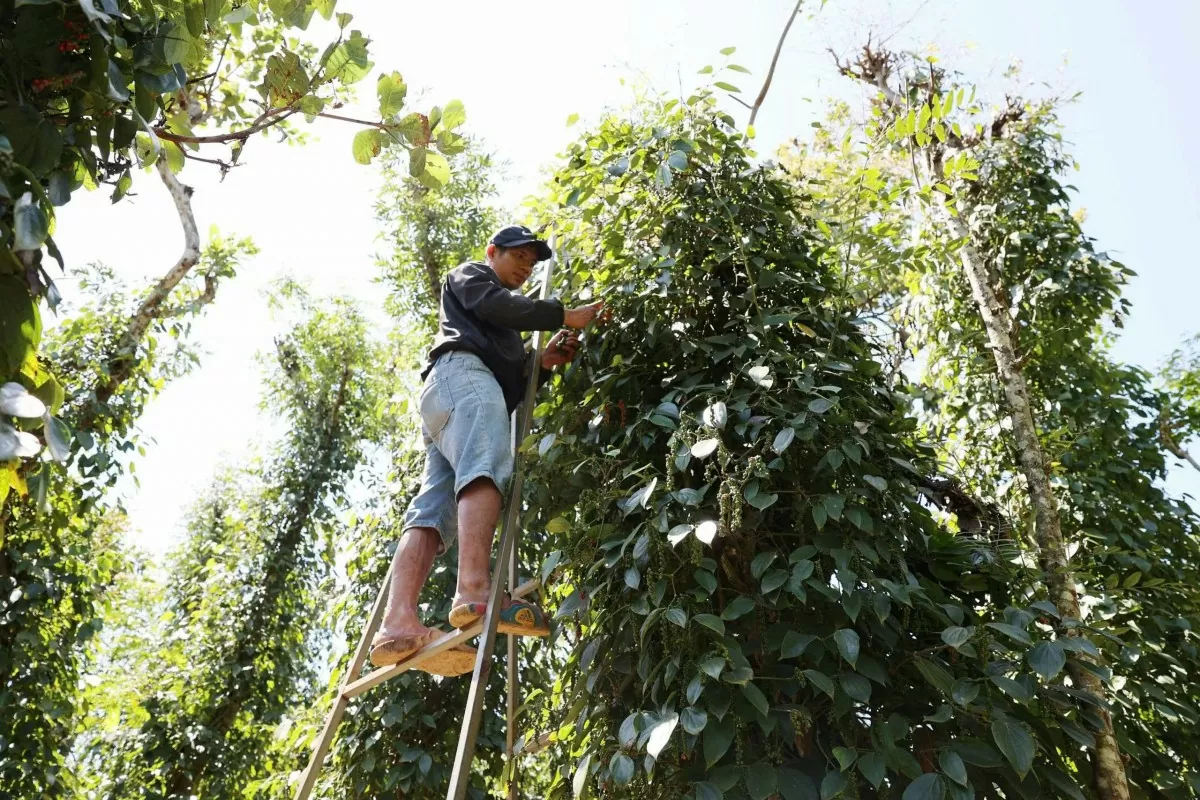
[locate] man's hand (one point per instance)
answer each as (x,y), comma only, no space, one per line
(561,350)
(580,317)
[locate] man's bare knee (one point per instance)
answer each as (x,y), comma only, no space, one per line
(482,484)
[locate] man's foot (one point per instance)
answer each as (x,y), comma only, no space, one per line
(390,648)
(517,617)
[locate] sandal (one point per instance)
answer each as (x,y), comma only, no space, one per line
(457,660)
(517,618)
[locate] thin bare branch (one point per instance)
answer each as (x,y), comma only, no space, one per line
(268,118)
(762,94)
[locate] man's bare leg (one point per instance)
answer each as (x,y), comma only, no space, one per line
(478,511)
(413,560)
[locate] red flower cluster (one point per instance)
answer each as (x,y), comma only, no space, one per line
(56,83)
(76,40)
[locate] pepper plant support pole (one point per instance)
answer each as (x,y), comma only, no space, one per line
(460,776)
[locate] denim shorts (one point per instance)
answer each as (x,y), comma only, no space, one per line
(465,425)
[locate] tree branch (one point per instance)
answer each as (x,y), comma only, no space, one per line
(1164,432)
(122,362)
(762,94)
(268,118)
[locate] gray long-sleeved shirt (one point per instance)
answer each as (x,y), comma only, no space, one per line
(479,315)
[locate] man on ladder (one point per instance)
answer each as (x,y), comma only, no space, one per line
(474,379)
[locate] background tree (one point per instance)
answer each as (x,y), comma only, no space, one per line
(57,553)
(1092,414)
(431,230)
(242,591)
(89,92)
(1180,420)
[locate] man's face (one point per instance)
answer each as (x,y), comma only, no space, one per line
(514,265)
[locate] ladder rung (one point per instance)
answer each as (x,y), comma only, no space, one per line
(372,679)
(534,746)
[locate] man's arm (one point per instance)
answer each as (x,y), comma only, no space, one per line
(477,289)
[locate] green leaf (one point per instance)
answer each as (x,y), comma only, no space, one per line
(773,580)
(1015,743)
(437,170)
(580,782)
(760,563)
(936,674)
(880,484)
(976,752)
(820,680)
(860,519)
(711,622)
(737,68)
(856,687)
(633,578)
(929,786)
(740,606)
(1064,782)
(756,698)
(956,636)
(677,616)
(693,719)
(943,714)
(873,766)
(347,62)
(845,757)
(20,324)
(783,440)
(1011,630)
(820,405)
(834,503)
(193,16)
(1047,659)
(569,606)
(706,579)
(31,226)
(718,735)
(762,780)
(763,500)
(833,785)
(1014,689)
(847,644)
(660,733)
(416,161)
(712,666)
(367,144)
(728,51)
(663,176)
(677,160)
(621,767)
(795,643)
(964,691)
(558,525)
(952,764)
(453,115)
(708,791)
(391,91)
(705,448)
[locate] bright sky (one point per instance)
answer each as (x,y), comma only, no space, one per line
(522,67)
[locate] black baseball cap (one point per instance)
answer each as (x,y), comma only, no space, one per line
(517,235)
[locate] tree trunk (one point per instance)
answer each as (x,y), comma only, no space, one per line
(1108,766)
